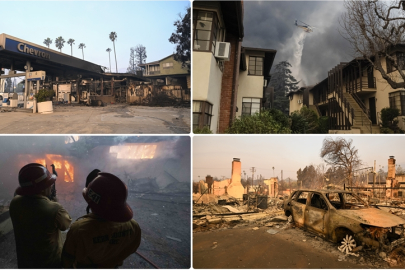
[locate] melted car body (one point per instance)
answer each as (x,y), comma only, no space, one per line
(333,214)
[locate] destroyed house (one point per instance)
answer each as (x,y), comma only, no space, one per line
(228,80)
(170,76)
(352,96)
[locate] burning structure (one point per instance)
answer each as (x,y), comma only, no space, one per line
(156,170)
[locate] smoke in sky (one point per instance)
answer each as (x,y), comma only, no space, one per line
(270,25)
(299,41)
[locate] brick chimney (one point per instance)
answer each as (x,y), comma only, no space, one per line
(236,170)
(391,168)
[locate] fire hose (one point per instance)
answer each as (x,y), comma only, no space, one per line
(143,257)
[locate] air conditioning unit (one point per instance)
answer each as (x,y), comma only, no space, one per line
(223,50)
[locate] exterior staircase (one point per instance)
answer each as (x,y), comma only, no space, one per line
(361,120)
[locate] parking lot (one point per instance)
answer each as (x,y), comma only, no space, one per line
(111,119)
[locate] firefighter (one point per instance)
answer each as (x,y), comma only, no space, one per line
(107,235)
(37,220)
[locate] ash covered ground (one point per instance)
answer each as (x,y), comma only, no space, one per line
(226,236)
(159,189)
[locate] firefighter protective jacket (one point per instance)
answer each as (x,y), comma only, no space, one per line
(38,223)
(93,242)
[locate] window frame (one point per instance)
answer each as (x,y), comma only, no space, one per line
(255,58)
(216,32)
(251,102)
(167,65)
(400,57)
(205,110)
(397,98)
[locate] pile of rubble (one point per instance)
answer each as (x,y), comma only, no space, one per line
(212,212)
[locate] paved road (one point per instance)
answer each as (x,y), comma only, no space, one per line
(112,119)
(247,248)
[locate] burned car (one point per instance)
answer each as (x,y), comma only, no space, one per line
(338,214)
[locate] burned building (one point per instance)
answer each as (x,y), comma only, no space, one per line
(168,77)
(73,80)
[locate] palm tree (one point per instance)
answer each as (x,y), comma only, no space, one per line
(109,50)
(82,46)
(47,42)
(71,42)
(59,43)
(113,37)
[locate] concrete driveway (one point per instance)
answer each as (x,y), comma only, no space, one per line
(112,119)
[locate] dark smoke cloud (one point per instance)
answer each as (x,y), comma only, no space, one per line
(270,25)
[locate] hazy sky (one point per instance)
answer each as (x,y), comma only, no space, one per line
(213,154)
(270,25)
(149,23)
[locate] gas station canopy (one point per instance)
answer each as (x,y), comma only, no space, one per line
(15,52)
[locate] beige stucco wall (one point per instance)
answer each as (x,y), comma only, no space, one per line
(249,86)
(294,105)
(177,68)
(311,98)
(207,80)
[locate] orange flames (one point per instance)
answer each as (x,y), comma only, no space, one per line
(134,151)
(60,164)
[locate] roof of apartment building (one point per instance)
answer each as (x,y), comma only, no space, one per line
(155,62)
(269,55)
(301,89)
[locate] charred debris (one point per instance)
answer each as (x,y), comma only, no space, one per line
(375,215)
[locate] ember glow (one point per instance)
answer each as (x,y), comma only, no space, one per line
(68,172)
(134,151)
(62,166)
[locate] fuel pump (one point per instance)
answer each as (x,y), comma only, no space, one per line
(33,77)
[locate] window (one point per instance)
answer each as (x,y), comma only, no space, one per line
(207,30)
(400,56)
(250,106)
(397,100)
(255,65)
(318,202)
(202,114)
(168,65)
(302,198)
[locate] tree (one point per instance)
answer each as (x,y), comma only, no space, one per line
(59,43)
(306,121)
(374,29)
(140,54)
(71,42)
(82,46)
(283,82)
(109,50)
(265,122)
(113,37)
(341,153)
(389,121)
(132,62)
(182,38)
(47,42)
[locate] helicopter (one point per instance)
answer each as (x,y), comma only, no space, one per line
(306,27)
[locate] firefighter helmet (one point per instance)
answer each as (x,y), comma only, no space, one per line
(34,178)
(91,176)
(106,196)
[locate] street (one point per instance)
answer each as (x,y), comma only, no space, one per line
(111,119)
(245,247)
